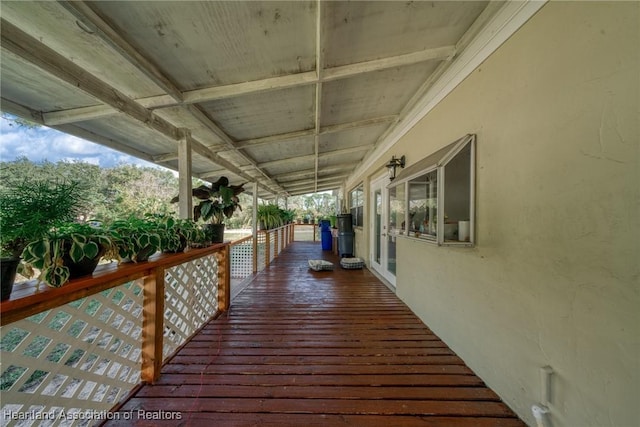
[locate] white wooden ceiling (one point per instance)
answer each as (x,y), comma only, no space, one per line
(293,95)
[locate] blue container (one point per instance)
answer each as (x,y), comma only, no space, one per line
(327,240)
(325,225)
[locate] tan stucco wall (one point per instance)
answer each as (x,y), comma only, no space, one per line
(554,278)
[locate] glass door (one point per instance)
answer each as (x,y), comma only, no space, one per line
(384,230)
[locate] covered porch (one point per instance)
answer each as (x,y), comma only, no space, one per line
(299,347)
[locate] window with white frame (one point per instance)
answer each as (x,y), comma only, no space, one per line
(440,192)
(356,196)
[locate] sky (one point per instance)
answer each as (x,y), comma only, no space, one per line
(42,143)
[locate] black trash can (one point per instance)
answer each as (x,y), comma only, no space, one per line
(345,223)
(345,244)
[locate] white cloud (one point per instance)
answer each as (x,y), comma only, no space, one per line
(41,143)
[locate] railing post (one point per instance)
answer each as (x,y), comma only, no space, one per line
(224,278)
(152,325)
(255,252)
(267,248)
(276,235)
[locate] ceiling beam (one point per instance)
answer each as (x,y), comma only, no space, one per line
(33,51)
(106,32)
(324,187)
(313,181)
(18,110)
(204,118)
(312,157)
(248,143)
(435,54)
(257,86)
(293,176)
(246,88)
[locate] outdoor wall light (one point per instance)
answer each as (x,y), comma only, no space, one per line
(393,164)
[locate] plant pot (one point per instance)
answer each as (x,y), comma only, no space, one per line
(8,267)
(84,267)
(215,232)
(180,248)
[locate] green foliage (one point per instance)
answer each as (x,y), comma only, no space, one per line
(272,216)
(108,193)
(78,241)
(176,234)
(217,201)
(135,238)
(31,206)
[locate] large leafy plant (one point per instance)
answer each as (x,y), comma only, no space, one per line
(217,202)
(65,244)
(29,208)
(135,238)
(176,234)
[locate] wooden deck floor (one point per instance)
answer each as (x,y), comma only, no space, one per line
(305,348)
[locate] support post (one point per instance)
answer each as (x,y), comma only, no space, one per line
(224,278)
(152,325)
(184,174)
(254,227)
(267,248)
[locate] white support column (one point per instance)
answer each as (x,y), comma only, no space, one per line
(254,219)
(184,170)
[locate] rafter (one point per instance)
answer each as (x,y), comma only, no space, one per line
(293,176)
(83,12)
(258,86)
(30,49)
(325,130)
(108,34)
(313,181)
(312,157)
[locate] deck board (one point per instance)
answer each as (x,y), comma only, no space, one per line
(329,348)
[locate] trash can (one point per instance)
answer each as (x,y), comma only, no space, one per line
(327,240)
(345,223)
(345,243)
(325,225)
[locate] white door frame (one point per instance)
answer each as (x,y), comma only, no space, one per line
(381,239)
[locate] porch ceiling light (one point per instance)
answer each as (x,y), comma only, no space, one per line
(393,164)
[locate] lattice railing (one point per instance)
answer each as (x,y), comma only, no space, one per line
(242,253)
(83,355)
(191,298)
(261,250)
(71,363)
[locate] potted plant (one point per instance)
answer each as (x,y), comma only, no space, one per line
(177,234)
(68,251)
(288,216)
(269,216)
(217,202)
(136,239)
(28,209)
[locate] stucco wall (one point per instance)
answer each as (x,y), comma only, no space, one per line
(554,279)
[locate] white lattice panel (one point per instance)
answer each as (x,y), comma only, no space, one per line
(272,246)
(242,260)
(191,298)
(79,358)
(261,251)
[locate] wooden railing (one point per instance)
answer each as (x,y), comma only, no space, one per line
(83,347)
(80,349)
(306,232)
